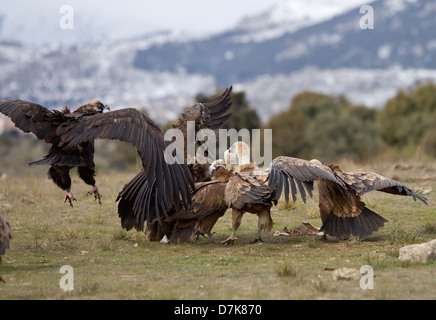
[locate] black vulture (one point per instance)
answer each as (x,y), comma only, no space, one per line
(134,197)
(46,124)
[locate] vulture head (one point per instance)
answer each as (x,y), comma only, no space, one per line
(93,107)
(98,106)
(217,164)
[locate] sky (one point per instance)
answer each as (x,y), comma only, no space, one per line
(129,17)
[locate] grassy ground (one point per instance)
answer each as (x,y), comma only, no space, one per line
(110,263)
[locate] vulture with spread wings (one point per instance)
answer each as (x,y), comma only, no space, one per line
(134,198)
(245,188)
(343,213)
(254,191)
(45,124)
(5,236)
(160,188)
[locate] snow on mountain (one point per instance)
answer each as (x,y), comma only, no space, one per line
(290,16)
(317,45)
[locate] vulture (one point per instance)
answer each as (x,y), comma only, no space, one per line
(207,206)
(342,211)
(48,125)
(135,201)
(256,191)
(5,236)
(158,190)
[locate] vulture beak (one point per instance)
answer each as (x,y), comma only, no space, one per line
(211,169)
(106,107)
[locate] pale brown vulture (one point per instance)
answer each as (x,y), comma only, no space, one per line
(343,213)
(5,236)
(253,191)
(46,124)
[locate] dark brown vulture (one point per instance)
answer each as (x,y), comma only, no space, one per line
(207,206)
(134,199)
(254,191)
(5,236)
(343,213)
(45,124)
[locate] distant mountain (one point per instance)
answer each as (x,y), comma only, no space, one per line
(288,17)
(404,35)
(272,56)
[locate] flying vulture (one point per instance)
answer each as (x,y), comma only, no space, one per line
(159,188)
(343,213)
(48,125)
(5,236)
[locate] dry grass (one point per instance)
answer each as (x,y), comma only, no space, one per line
(110,263)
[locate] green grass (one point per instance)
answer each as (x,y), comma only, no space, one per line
(110,263)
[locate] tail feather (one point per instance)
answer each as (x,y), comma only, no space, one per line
(130,199)
(359,227)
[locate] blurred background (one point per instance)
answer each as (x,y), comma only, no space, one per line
(304,68)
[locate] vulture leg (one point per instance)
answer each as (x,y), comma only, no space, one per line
(236,222)
(69,196)
(265,223)
(87,175)
(61,177)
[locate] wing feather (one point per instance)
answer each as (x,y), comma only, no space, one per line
(33,118)
(171,183)
(363,182)
(300,174)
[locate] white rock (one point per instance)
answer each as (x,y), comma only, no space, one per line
(419,252)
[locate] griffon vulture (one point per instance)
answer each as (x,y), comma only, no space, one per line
(47,125)
(343,213)
(255,191)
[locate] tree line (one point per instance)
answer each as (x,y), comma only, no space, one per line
(330,128)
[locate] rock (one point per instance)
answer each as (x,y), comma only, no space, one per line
(419,252)
(345,273)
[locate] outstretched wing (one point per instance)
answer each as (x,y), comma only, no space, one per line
(210,115)
(34,118)
(5,235)
(363,182)
(287,174)
(168,184)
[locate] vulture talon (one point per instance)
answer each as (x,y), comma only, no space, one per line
(96,192)
(70,197)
